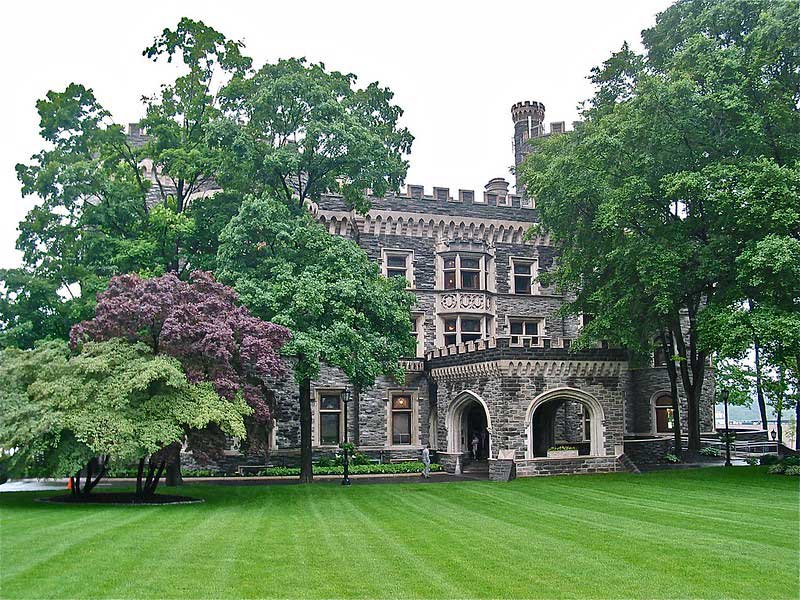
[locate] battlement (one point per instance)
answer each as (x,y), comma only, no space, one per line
(529,108)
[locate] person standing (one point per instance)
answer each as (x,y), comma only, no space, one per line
(426,461)
(475,442)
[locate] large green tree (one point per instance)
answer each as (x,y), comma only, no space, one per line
(339,308)
(687,157)
(113,401)
(110,203)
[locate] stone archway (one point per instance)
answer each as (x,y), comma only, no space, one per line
(461,422)
(541,409)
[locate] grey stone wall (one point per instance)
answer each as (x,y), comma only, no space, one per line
(568,466)
(648,451)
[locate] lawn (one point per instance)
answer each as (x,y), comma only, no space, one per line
(698,533)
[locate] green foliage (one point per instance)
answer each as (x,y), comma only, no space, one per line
(776,469)
(710,451)
(114,398)
(675,199)
(671,458)
(752,461)
(289,270)
(769,459)
(792,470)
(365,469)
(561,448)
(297,130)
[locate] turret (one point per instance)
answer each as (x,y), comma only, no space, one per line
(528,120)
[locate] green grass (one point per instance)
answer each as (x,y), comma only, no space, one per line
(698,533)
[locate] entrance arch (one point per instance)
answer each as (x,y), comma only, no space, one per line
(468,415)
(539,419)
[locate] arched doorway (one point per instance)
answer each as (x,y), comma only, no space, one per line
(565,416)
(467,419)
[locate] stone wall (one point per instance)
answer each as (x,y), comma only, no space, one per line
(568,466)
(648,451)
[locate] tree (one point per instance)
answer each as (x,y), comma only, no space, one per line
(297,131)
(110,203)
(202,324)
(324,288)
(113,400)
(687,156)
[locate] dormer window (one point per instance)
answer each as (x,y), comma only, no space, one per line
(416,191)
(399,263)
(466,196)
(442,194)
(523,276)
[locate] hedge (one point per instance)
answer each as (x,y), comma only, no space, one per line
(370,469)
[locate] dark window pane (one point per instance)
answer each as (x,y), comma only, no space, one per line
(522,285)
(531,328)
(450,280)
(664,401)
(470,337)
(401,428)
(470,263)
(450,263)
(450,339)
(329,402)
(449,325)
(329,428)
(401,402)
(516,327)
(470,280)
(396,261)
(470,325)
(522,268)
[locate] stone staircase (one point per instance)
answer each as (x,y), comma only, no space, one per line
(477,469)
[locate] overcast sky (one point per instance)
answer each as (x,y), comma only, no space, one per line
(455,67)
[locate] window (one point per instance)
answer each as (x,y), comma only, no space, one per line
(399,263)
(587,423)
(442,194)
(665,416)
(523,275)
(526,202)
(401,418)
(466,195)
(462,272)
(659,357)
(330,418)
(417,322)
(461,329)
(526,333)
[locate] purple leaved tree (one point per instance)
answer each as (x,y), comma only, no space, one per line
(202,324)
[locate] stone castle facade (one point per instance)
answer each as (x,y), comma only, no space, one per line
(493,372)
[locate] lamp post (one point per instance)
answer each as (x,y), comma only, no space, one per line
(727,430)
(774,435)
(346,475)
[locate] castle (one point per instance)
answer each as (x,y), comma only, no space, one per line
(493,370)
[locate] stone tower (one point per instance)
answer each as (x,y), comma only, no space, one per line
(528,120)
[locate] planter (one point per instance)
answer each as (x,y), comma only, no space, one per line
(562,453)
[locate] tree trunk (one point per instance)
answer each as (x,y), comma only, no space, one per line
(139,474)
(692,369)
(174,477)
(356,414)
(153,481)
(306,473)
(762,405)
(672,371)
(92,483)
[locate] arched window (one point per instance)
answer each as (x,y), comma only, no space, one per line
(665,416)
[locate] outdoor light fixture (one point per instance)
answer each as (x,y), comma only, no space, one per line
(346,395)
(774,435)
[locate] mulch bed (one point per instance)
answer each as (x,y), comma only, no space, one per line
(125,498)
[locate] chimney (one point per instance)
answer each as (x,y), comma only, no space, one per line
(134,129)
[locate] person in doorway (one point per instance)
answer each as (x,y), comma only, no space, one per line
(426,461)
(475,442)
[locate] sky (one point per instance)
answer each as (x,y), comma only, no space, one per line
(455,67)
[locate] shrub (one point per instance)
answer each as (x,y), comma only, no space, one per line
(793,470)
(710,451)
(769,459)
(752,461)
(369,469)
(561,448)
(791,461)
(776,469)
(671,458)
